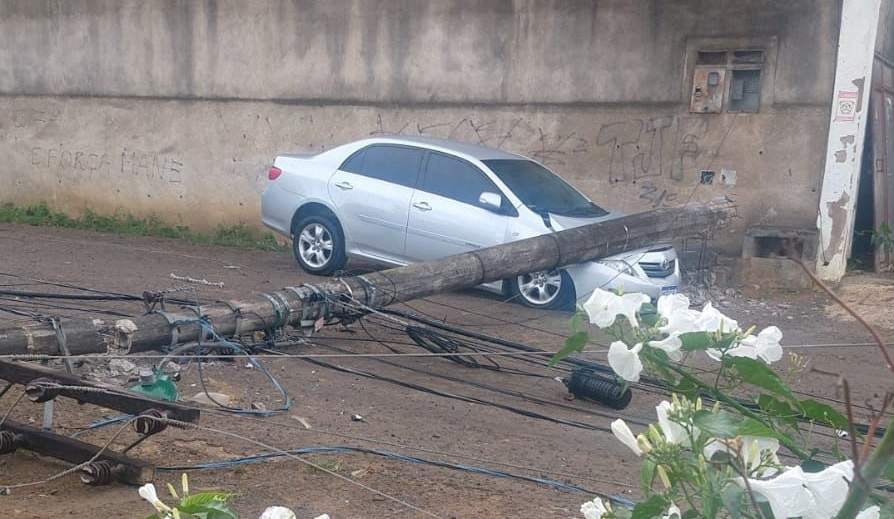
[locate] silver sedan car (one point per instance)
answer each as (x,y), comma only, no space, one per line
(397,200)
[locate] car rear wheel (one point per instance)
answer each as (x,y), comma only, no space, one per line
(318,245)
(551,290)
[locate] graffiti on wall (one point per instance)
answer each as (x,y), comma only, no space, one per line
(518,134)
(645,151)
(84,164)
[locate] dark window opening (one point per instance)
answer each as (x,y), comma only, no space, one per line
(745,91)
(748,57)
(708,57)
(395,164)
(541,190)
(456,179)
(354,162)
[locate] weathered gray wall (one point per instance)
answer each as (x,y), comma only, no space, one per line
(177,107)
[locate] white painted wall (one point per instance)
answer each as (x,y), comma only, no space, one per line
(847,129)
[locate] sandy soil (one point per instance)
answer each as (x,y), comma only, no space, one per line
(395,418)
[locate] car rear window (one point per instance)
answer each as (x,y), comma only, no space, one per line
(395,164)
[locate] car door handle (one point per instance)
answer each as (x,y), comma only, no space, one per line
(344,185)
(422,206)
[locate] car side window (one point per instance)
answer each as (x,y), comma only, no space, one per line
(354,162)
(395,164)
(455,178)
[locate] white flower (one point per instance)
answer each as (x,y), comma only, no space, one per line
(324,516)
(625,435)
(829,488)
(671,304)
(870,513)
(148,493)
(625,362)
(671,345)
(818,495)
(675,311)
(673,432)
(786,493)
(754,447)
(672,512)
(277,512)
(594,509)
(603,307)
(711,320)
(765,346)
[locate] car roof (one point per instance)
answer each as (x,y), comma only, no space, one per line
(466,148)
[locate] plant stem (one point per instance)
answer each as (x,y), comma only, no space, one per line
(872,468)
(720,397)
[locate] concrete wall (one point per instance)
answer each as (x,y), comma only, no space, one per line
(177,107)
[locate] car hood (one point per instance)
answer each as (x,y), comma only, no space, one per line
(560,223)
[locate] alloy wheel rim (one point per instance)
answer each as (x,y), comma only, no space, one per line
(540,288)
(315,245)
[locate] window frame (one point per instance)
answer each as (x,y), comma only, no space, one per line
(421,162)
(766,43)
(506,208)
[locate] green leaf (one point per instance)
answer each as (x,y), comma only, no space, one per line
(153,516)
(732,497)
(696,341)
(752,427)
(652,507)
(648,315)
(812,466)
(218,510)
(823,413)
(758,374)
(572,344)
(647,474)
(889,471)
(720,424)
(779,409)
(577,322)
(687,387)
(208,505)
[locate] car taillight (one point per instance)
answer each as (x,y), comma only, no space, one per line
(274,173)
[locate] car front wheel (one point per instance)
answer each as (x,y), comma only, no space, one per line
(318,245)
(550,290)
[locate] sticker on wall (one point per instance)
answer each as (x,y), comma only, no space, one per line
(846,105)
(728,176)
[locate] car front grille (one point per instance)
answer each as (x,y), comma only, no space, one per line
(658,270)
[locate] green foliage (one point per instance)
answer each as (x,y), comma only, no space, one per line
(240,235)
(206,505)
(650,508)
(573,344)
(758,374)
(883,238)
(696,341)
(720,424)
(733,497)
(823,413)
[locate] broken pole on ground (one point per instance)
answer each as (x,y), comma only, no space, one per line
(304,305)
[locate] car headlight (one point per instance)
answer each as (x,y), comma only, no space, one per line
(621,266)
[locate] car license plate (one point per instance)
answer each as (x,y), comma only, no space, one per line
(672,289)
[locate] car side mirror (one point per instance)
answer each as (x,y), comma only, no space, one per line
(491,201)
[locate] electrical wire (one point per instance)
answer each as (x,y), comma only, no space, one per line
(341,449)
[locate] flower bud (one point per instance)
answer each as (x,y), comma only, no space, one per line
(662,475)
(643,443)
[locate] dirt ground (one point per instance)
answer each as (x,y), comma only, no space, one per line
(394,418)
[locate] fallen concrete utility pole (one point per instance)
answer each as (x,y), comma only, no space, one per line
(303,305)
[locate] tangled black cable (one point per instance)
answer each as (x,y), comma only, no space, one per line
(438,342)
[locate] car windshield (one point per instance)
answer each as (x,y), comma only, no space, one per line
(541,190)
